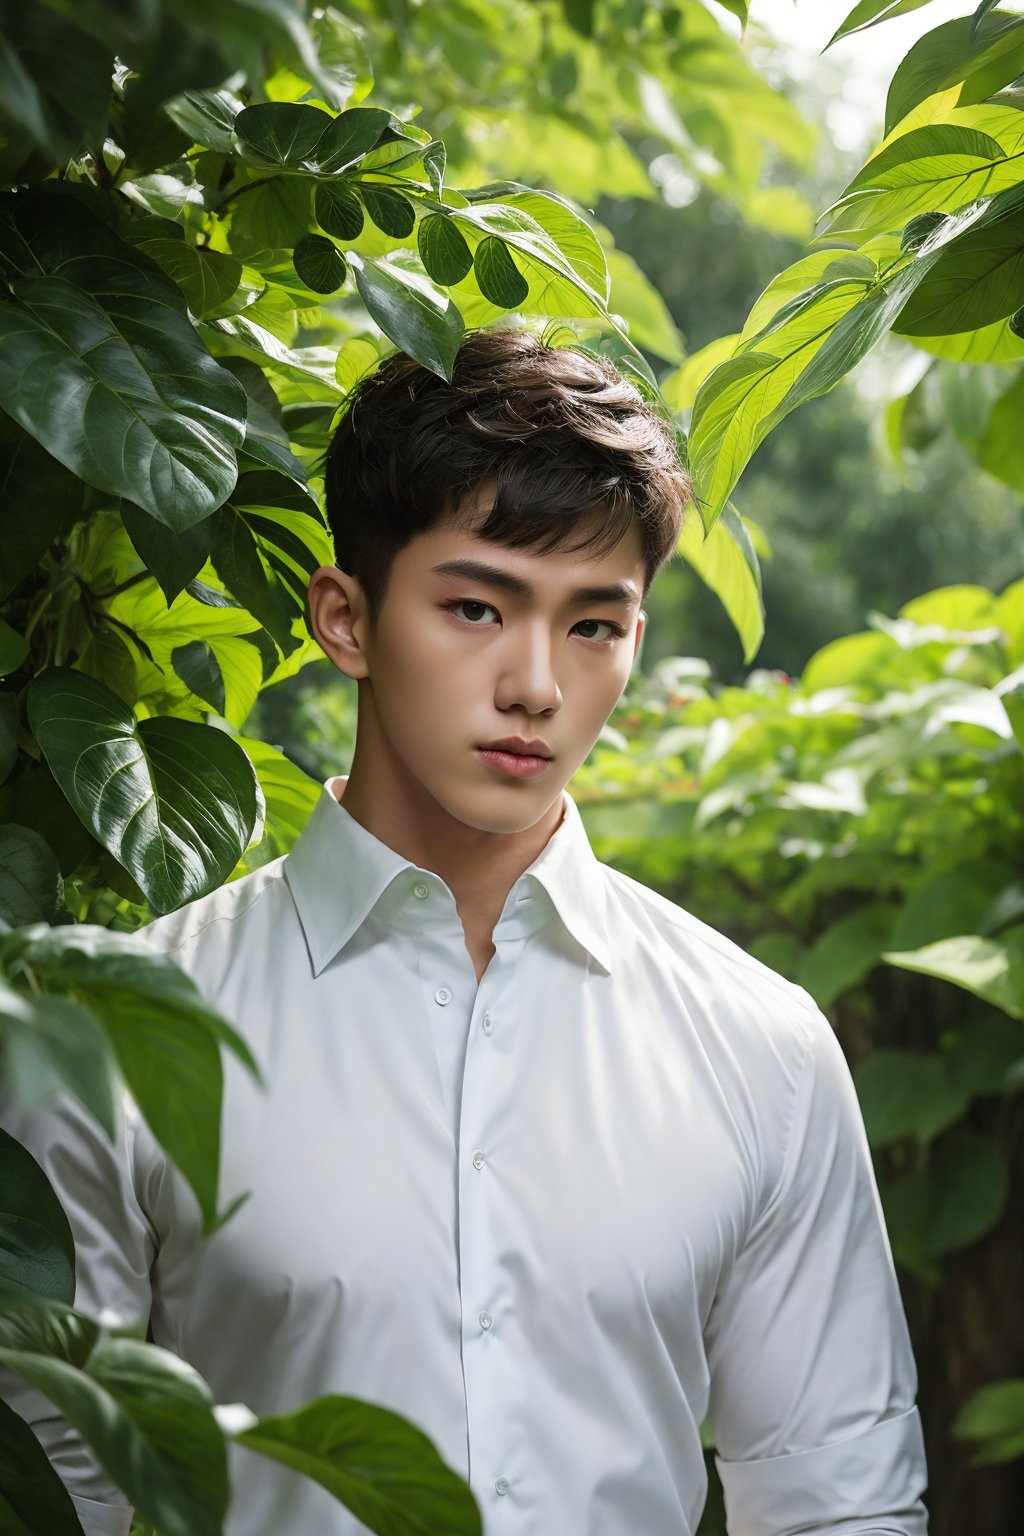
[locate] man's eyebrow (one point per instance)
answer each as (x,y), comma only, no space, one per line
(493,575)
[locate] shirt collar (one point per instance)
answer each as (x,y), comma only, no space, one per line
(339,873)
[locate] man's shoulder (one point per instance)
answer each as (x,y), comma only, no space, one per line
(225,913)
(686,946)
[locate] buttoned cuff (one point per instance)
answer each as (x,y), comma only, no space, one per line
(102,1519)
(878,1475)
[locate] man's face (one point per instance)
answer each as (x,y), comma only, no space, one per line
(460,660)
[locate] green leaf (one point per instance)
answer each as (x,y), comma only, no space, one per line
(907,1093)
(33,1496)
(641,306)
(31,889)
(143,410)
(995,1417)
(1000,448)
(197,666)
(725,560)
(146,1415)
(55,80)
(53,1045)
(969,1185)
(580,16)
(412,313)
(208,116)
(276,134)
(992,969)
(37,1251)
(320,264)
(174,802)
(977,279)
(209,280)
(919,176)
(350,136)
(870,13)
(980,14)
(164,1036)
(381,1467)
(252,580)
(337,210)
(266,440)
(443,250)
(13,649)
(173,558)
(947,55)
(392,213)
(497,274)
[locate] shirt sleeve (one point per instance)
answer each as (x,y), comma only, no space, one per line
(812,1376)
(114,1251)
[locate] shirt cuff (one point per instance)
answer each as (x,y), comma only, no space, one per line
(878,1475)
(102,1519)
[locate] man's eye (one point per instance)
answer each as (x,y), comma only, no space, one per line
(474,610)
(616,629)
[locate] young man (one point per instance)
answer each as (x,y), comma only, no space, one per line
(544,1163)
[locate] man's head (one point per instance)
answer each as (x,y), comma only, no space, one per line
(545,466)
(558,433)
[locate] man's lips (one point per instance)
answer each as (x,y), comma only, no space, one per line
(522,765)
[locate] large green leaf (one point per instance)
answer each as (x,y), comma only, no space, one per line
(930,170)
(173,557)
(991,968)
(381,1467)
(1000,448)
(99,362)
(54,80)
(174,802)
(949,54)
(726,561)
(977,280)
(163,1035)
(33,1498)
(415,315)
(146,1415)
(870,13)
(37,1250)
(31,889)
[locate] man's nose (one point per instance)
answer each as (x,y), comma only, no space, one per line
(528,678)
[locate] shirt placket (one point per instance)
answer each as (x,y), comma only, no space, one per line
(493,1378)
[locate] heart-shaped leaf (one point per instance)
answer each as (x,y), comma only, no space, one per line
(173,801)
(173,558)
(279,133)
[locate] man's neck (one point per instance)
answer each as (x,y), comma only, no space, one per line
(478,867)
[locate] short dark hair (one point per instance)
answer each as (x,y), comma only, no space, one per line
(563,436)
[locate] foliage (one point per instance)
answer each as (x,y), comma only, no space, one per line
(861,830)
(926,242)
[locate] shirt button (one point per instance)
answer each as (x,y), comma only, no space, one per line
(421,889)
(501,1485)
(478,1159)
(486,1320)
(443,995)
(488,1023)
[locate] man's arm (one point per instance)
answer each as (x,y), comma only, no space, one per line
(812,1376)
(95,1181)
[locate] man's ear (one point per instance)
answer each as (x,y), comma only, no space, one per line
(338,618)
(641,625)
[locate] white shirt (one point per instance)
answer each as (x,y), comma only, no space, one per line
(556,1219)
